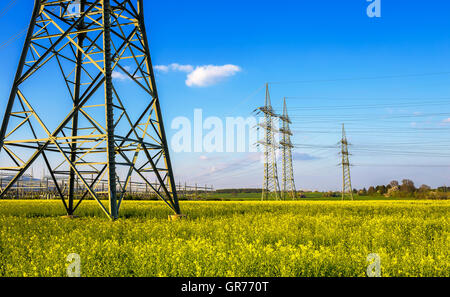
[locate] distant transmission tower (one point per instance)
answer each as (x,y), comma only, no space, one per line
(271,187)
(286,147)
(347,189)
(67,110)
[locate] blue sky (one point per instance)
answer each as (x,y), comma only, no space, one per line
(387,78)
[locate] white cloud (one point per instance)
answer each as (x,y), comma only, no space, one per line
(201,76)
(175,67)
(162,68)
(446,121)
(304,157)
(182,68)
(119,75)
(204,76)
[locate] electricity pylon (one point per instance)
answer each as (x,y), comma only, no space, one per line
(346,179)
(271,186)
(286,147)
(101,118)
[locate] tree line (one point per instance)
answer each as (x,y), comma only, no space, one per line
(406,188)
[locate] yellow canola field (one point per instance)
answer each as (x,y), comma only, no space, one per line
(243,239)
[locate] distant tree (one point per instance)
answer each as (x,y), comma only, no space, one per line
(443,189)
(230,191)
(393,191)
(424,188)
(331,194)
(394,183)
(371,190)
(381,189)
(407,186)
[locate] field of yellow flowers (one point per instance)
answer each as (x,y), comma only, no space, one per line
(244,239)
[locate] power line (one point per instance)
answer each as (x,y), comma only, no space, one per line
(12,39)
(361,78)
(8,7)
(19,34)
(388,116)
(248,98)
(402,153)
(433,103)
(366,98)
(402,165)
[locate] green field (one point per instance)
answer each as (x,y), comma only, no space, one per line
(295,239)
(309,197)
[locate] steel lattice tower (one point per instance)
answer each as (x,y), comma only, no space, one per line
(107,123)
(346,179)
(286,147)
(271,187)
